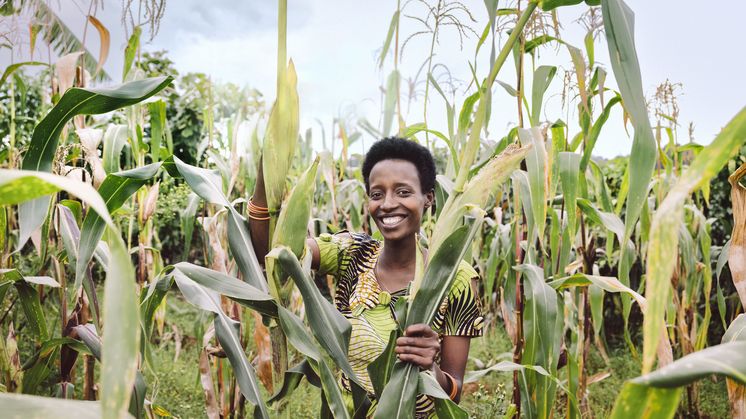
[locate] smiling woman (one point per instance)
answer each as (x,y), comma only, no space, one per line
(371,275)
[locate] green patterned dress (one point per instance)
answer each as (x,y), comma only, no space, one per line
(350,258)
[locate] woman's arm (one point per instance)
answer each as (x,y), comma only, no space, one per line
(260,228)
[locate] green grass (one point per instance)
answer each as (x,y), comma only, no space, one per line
(174,384)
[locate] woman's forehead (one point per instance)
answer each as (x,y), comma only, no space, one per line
(394,170)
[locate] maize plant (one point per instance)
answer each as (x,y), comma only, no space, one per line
(567,253)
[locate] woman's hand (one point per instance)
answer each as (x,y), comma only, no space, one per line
(419,345)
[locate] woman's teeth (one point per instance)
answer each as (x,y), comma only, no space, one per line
(389,221)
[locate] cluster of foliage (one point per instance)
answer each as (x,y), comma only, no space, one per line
(565,245)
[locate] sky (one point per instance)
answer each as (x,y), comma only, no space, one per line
(335,45)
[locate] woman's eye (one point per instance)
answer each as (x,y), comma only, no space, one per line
(404,192)
(375,195)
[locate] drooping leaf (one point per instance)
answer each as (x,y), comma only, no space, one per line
(74,102)
(331,329)
(36,407)
(664,237)
(116,189)
(225,330)
(104,41)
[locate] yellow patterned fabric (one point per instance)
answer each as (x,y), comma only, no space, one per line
(350,258)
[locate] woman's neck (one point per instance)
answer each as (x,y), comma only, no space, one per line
(399,254)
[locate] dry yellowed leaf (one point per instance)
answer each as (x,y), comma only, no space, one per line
(263,352)
(65,69)
(151,200)
(105,42)
(90,138)
(205,376)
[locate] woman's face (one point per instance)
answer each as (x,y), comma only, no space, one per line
(395,198)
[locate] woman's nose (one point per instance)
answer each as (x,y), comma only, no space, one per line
(389,202)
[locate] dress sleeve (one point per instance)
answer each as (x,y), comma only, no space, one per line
(332,249)
(464,315)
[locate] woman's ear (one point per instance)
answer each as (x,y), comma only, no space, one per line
(430,199)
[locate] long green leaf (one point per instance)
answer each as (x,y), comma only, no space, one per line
(74,102)
(208,186)
(569,167)
(122,333)
(17,406)
(542,338)
(387,43)
(643,402)
(225,330)
(328,325)
(445,408)
(536,163)
(664,237)
(281,136)
(389,102)
(13,67)
(619,28)
(233,288)
(116,189)
(115,138)
(19,186)
(542,78)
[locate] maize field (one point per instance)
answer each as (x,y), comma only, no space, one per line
(129,282)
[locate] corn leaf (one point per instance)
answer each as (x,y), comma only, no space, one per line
(569,167)
(233,288)
(115,138)
(542,339)
(445,408)
(74,102)
(619,28)
(640,401)
(301,340)
(397,400)
(36,407)
(226,332)
(664,237)
(208,186)
(543,76)
(122,333)
(331,329)
(536,163)
(281,137)
(116,189)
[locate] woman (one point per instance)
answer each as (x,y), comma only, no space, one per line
(371,275)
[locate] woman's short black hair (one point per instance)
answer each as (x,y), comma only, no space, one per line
(401,149)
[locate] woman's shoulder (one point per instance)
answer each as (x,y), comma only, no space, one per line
(348,241)
(464,277)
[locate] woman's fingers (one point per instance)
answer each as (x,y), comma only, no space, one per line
(419,329)
(417,341)
(420,361)
(416,350)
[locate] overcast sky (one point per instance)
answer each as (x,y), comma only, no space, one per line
(334,44)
